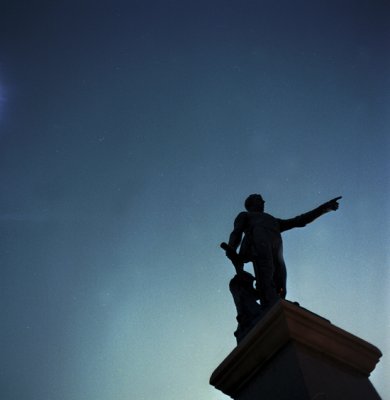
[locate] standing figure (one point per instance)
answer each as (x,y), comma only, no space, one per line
(262,244)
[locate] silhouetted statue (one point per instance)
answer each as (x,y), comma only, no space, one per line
(262,245)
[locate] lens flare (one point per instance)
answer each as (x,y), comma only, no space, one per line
(2,100)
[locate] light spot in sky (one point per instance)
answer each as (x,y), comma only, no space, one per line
(2,100)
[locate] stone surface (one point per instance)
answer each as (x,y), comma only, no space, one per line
(293,353)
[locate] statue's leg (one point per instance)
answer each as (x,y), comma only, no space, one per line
(280,275)
(263,265)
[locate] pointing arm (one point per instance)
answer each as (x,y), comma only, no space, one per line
(306,218)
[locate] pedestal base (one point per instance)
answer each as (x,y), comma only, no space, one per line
(293,354)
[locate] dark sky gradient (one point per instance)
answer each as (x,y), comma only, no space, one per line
(130,134)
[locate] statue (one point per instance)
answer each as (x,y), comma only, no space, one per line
(262,245)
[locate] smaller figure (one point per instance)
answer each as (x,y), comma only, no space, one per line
(245,296)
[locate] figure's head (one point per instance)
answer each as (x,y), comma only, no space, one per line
(254,203)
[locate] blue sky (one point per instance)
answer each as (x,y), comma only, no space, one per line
(131,132)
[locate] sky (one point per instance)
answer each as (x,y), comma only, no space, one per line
(131,133)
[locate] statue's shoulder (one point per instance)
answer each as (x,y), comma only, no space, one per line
(260,216)
(269,216)
(264,220)
(242,217)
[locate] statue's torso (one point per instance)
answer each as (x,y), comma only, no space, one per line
(261,228)
(261,222)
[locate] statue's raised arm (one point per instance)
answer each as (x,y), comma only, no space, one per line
(302,220)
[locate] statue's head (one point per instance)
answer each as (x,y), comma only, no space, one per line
(254,203)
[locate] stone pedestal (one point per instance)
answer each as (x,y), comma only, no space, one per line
(293,354)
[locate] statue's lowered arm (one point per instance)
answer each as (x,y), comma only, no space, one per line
(239,227)
(234,241)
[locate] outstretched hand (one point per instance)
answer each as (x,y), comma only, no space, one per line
(332,205)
